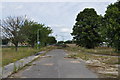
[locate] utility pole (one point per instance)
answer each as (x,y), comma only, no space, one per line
(38,41)
(56,36)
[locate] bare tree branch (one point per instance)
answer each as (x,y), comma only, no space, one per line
(11,29)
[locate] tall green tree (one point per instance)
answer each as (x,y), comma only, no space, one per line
(112,28)
(86,30)
(31,29)
(44,33)
(51,40)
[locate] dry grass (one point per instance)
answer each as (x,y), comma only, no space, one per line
(80,52)
(103,50)
(97,50)
(9,55)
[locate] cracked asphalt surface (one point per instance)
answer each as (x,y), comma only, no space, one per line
(56,66)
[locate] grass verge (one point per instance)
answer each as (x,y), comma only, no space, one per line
(9,55)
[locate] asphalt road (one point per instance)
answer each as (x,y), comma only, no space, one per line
(56,66)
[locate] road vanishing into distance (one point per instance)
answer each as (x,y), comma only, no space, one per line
(55,66)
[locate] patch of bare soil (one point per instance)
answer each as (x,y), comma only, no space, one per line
(103,70)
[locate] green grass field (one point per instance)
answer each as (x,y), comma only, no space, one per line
(9,55)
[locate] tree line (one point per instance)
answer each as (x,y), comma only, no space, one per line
(20,29)
(92,30)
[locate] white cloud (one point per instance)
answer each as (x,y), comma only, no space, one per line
(19,7)
(56,25)
(1,6)
(66,30)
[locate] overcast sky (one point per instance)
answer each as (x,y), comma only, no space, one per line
(60,16)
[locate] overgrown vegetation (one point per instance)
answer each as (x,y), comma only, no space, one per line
(79,52)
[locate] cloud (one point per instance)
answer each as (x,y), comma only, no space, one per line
(1,6)
(66,30)
(19,7)
(57,25)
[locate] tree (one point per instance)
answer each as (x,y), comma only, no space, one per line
(60,42)
(12,29)
(5,41)
(51,40)
(44,34)
(31,29)
(112,27)
(86,29)
(68,42)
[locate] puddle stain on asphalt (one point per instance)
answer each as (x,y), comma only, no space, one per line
(48,64)
(75,61)
(46,56)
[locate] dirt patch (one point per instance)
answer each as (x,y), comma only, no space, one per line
(46,56)
(75,61)
(48,64)
(104,70)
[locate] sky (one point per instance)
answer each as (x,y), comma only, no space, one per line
(59,15)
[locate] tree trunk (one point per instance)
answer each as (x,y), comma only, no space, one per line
(16,47)
(32,45)
(45,44)
(118,50)
(89,46)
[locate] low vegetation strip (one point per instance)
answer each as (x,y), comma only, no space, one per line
(14,67)
(97,50)
(9,55)
(102,51)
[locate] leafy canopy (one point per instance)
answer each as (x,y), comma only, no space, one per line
(32,29)
(112,27)
(86,29)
